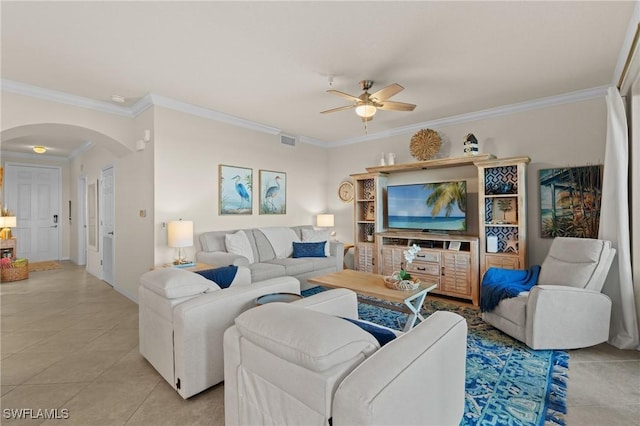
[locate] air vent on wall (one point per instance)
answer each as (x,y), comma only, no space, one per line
(288,140)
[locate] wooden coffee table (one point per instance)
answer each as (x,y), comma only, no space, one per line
(367,284)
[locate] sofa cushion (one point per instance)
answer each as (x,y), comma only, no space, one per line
(309,249)
(174,283)
(264,271)
(315,235)
(311,339)
(238,243)
(281,239)
(294,266)
(320,263)
(263,247)
(513,309)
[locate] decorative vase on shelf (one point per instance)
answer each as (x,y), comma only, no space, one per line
(391,159)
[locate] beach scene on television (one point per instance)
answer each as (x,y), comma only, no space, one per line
(437,206)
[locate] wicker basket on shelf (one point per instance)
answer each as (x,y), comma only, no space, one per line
(16,270)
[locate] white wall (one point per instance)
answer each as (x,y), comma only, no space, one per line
(559,136)
(188,151)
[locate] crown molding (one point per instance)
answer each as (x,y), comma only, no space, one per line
(152,99)
(577,96)
(159,100)
(63,98)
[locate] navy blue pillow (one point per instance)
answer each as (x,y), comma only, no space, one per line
(309,249)
(382,335)
(222,276)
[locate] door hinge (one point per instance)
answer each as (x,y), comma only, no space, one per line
(178,384)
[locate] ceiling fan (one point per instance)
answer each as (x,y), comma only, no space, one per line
(367,104)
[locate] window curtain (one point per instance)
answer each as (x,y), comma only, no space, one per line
(614,226)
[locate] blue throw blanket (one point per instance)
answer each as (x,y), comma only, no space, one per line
(499,284)
(222,276)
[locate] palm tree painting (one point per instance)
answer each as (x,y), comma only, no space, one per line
(273,192)
(447,195)
(570,200)
(235,190)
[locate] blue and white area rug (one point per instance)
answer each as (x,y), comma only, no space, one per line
(507,383)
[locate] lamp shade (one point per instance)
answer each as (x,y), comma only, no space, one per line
(366,110)
(7,222)
(180,233)
(324,221)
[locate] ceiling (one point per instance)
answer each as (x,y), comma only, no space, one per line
(271,62)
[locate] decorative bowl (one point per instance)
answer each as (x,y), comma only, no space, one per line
(405,285)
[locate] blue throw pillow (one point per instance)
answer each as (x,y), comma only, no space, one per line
(382,335)
(315,249)
(222,276)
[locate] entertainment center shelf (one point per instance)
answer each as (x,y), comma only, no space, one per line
(449,261)
(431,164)
(458,271)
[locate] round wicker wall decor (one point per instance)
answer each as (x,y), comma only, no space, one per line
(425,144)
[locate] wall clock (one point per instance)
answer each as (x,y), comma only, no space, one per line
(345,191)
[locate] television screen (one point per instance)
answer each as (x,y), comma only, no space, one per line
(439,206)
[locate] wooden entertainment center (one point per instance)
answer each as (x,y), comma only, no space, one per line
(454,262)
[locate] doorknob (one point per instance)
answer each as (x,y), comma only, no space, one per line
(110,233)
(53,226)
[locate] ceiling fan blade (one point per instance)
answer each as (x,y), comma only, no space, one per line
(387,92)
(344,95)
(396,106)
(338,109)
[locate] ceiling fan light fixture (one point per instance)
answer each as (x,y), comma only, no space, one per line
(366,110)
(39,149)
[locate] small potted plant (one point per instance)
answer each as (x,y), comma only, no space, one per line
(402,280)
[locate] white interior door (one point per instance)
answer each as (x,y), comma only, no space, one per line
(33,194)
(107,224)
(81,220)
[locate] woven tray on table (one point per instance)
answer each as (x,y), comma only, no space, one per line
(405,285)
(19,270)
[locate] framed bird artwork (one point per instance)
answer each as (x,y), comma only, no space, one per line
(273,192)
(235,190)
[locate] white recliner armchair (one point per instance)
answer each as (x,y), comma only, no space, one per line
(566,309)
(183,317)
(300,364)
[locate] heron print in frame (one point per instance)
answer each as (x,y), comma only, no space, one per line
(273,192)
(235,190)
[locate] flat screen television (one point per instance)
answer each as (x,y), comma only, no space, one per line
(437,206)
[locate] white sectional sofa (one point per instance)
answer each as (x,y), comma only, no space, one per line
(299,364)
(268,254)
(183,317)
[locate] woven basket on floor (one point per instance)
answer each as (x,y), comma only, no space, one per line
(18,271)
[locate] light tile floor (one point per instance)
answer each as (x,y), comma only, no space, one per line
(69,341)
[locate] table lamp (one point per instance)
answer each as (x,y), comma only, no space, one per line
(180,235)
(325,221)
(6,223)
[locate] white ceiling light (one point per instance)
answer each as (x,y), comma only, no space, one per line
(366,110)
(39,149)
